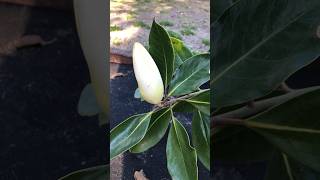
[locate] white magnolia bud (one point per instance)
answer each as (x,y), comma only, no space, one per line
(92,29)
(147,74)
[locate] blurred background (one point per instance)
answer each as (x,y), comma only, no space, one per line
(42,73)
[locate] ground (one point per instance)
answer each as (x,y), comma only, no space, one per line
(130,22)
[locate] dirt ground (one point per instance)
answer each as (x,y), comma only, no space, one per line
(131,20)
(41,134)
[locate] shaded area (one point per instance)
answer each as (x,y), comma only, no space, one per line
(305,77)
(41,134)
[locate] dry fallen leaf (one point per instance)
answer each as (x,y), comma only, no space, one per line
(139,175)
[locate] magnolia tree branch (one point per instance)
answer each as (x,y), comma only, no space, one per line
(171,100)
(233,117)
(223,121)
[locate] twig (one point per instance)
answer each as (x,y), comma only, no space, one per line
(24,41)
(224,121)
(285,88)
(169,101)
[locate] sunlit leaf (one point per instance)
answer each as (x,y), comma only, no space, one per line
(181,157)
(201,137)
(190,75)
(156,130)
(128,133)
(161,50)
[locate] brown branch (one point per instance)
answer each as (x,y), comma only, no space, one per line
(170,101)
(285,88)
(224,121)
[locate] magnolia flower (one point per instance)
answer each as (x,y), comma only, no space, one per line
(147,74)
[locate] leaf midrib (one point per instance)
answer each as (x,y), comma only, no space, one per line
(142,120)
(197,102)
(256,47)
(165,59)
(177,86)
(261,125)
(180,147)
(159,118)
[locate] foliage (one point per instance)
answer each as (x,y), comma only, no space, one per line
(270,40)
(183,74)
(96,173)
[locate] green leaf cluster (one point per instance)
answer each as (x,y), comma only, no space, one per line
(183,74)
(257,45)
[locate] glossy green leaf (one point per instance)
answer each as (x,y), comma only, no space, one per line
(262,105)
(94,173)
(276,168)
(280,166)
(190,75)
(128,133)
(183,106)
(257,44)
(201,101)
(156,130)
(161,50)
(182,52)
(301,172)
(88,105)
(201,137)
(217,8)
(293,127)
(181,157)
(240,145)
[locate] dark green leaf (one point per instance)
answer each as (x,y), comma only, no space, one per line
(293,127)
(276,168)
(240,145)
(245,111)
(257,44)
(161,50)
(201,101)
(301,172)
(218,7)
(128,133)
(284,168)
(190,75)
(156,130)
(174,34)
(181,157)
(201,137)
(183,106)
(94,173)
(182,53)
(88,105)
